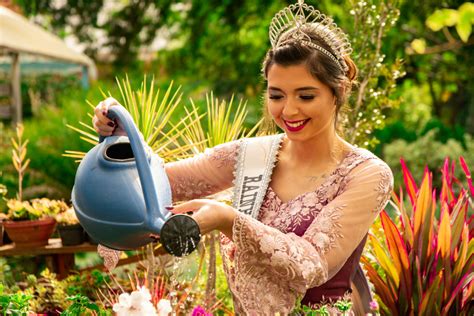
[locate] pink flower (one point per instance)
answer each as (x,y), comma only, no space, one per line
(200,311)
(374,305)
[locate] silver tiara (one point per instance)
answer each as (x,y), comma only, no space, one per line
(288,26)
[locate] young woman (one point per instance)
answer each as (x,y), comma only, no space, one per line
(305,199)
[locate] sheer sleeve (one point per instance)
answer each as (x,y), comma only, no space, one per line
(203,174)
(309,261)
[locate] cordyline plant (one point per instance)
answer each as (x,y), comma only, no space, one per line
(421,263)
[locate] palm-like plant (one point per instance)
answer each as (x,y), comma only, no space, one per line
(224,124)
(151,111)
(424,263)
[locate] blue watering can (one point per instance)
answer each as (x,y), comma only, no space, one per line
(120,193)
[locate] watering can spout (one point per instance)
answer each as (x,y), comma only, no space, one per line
(120,195)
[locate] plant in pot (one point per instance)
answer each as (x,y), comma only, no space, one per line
(69,228)
(28,223)
(31,223)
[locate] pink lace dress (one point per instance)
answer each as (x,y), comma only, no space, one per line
(307,247)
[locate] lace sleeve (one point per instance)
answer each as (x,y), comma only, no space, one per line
(309,261)
(203,174)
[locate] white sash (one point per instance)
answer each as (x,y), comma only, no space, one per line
(255,163)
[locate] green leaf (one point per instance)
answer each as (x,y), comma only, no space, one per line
(466,19)
(441,18)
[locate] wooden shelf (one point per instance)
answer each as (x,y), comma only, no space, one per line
(54,246)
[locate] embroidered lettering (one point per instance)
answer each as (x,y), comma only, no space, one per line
(245,189)
(247,200)
(253,179)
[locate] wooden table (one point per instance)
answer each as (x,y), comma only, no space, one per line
(59,258)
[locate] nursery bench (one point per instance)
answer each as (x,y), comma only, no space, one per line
(59,258)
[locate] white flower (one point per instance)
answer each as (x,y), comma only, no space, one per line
(164,307)
(135,304)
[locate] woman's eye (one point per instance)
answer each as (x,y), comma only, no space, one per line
(275,97)
(307,97)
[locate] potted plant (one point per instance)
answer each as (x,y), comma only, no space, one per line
(69,228)
(31,223)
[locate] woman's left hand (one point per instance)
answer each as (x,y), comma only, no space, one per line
(209,214)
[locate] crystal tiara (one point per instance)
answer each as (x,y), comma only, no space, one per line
(291,22)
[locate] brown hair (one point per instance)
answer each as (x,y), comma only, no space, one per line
(320,65)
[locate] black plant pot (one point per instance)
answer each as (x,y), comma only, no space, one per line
(71,235)
(91,240)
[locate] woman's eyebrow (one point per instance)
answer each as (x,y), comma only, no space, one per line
(306,88)
(274,88)
(298,89)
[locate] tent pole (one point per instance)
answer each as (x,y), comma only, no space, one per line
(16,89)
(85,77)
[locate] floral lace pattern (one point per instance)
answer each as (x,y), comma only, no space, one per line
(204,174)
(223,155)
(186,188)
(111,257)
(294,244)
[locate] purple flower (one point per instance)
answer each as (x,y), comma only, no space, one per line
(374,305)
(200,311)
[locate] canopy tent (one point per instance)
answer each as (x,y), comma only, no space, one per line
(18,35)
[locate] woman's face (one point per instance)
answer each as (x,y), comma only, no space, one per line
(300,104)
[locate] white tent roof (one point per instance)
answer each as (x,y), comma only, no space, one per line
(19,34)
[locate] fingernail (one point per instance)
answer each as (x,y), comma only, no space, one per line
(111,124)
(169,208)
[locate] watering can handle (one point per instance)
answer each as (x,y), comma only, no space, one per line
(143,166)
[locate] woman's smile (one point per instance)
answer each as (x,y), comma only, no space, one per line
(295,126)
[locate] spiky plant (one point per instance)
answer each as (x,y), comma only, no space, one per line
(19,158)
(423,262)
(151,111)
(224,124)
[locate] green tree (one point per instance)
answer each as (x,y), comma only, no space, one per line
(126,25)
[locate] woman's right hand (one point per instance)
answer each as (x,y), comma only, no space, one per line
(102,124)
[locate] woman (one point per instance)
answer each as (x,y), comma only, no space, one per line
(304,200)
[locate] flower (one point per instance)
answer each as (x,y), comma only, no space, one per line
(67,218)
(374,305)
(34,209)
(200,311)
(164,307)
(135,304)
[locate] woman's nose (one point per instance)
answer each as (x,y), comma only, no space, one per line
(290,108)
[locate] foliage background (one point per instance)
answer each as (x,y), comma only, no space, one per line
(219,46)
(416,81)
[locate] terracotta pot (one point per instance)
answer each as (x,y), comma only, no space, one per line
(4,239)
(71,235)
(30,233)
